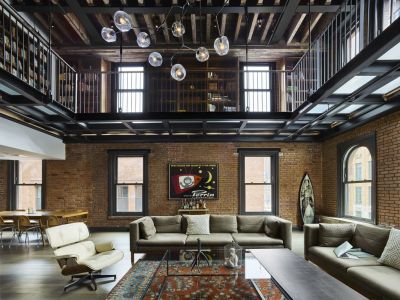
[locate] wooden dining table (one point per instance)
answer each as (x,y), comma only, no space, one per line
(64,215)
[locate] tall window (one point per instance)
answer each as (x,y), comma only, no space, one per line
(258,181)
(130,89)
(357,183)
(257,88)
(128,182)
(27,184)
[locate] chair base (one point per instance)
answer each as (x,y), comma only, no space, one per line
(91,276)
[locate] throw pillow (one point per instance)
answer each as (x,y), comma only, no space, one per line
(168,224)
(147,229)
(198,224)
(223,223)
(272,227)
(333,235)
(391,253)
(251,224)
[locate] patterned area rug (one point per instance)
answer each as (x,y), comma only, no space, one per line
(214,282)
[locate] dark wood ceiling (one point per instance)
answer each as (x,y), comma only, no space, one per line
(279,26)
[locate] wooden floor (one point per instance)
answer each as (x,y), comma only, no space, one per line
(33,273)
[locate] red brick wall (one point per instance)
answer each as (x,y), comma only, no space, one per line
(387,131)
(3,185)
(81,181)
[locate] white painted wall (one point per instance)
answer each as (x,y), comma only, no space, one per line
(18,141)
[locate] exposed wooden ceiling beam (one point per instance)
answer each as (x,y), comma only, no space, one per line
(223,21)
(149,23)
(45,25)
(284,21)
(165,28)
(239,22)
(208,23)
(314,20)
(298,19)
(193,21)
(253,22)
(84,20)
(268,24)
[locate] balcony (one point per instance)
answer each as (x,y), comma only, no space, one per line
(305,102)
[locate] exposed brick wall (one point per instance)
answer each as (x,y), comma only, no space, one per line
(387,131)
(81,181)
(3,185)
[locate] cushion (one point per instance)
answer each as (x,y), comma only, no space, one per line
(391,254)
(198,224)
(325,258)
(333,235)
(168,224)
(147,229)
(272,226)
(251,224)
(256,239)
(103,247)
(102,260)
(382,282)
(66,234)
(223,223)
(213,239)
(164,239)
(371,239)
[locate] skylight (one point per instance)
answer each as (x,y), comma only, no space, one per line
(353,84)
(392,54)
(389,86)
(351,108)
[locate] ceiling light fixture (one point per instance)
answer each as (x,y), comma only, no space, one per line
(123,22)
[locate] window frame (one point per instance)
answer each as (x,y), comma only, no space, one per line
(13,172)
(272,85)
(344,150)
(113,156)
(116,89)
(274,154)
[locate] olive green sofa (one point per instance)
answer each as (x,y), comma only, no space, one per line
(366,275)
(247,231)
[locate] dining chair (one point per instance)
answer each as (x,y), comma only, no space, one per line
(25,225)
(7,225)
(47,222)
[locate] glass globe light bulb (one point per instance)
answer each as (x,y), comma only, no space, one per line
(155,59)
(108,34)
(178,72)
(123,21)
(178,29)
(202,54)
(221,45)
(143,39)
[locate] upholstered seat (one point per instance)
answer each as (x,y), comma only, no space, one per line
(215,239)
(76,255)
(256,239)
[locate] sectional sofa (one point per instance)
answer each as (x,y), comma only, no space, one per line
(366,275)
(247,231)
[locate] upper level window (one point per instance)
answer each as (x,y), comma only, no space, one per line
(128,182)
(257,88)
(258,182)
(27,184)
(357,184)
(130,89)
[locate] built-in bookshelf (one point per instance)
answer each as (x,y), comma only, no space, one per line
(212,86)
(23,53)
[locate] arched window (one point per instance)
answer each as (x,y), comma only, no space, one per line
(356,197)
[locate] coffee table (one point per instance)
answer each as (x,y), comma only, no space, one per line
(176,279)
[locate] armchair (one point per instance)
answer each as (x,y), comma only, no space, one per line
(79,258)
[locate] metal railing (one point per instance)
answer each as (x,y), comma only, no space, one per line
(355,25)
(210,90)
(25,54)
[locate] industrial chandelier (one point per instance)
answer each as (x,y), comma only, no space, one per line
(124,23)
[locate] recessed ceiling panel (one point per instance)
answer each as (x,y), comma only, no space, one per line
(353,84)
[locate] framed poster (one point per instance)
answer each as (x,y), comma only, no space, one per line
(193,181)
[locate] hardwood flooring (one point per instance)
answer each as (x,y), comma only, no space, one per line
(31,272)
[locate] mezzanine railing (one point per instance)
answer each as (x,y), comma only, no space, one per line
(355,25)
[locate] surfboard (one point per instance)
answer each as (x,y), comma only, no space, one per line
(307,203)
